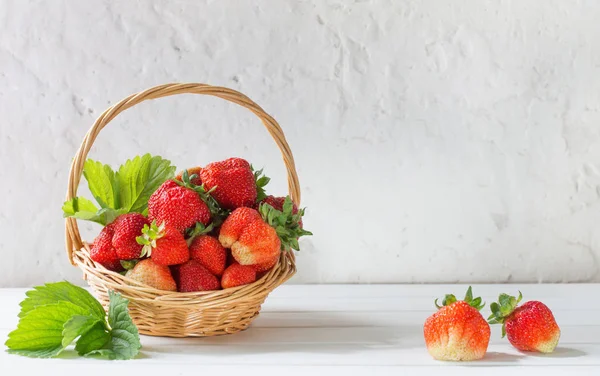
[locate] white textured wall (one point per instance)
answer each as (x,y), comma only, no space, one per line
(434,140)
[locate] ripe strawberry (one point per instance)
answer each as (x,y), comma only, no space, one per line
(233,182)
(237,275)
(103,251)
(257,244)
(209,253)
(194,172)
(164,244)
(457,331)
(266,266)
(153,274)
(258,238)
(192,276)
(234,225)
(277,203)
(127,228)
(530,327)
(177,206)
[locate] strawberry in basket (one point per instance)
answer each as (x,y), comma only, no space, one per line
(257,237)
(233,182)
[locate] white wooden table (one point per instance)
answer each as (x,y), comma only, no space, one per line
(343,329)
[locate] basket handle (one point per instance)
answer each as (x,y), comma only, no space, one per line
(73,238)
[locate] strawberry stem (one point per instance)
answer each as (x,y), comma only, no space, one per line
(217,213)
(150,234)
(502,309)
(261,182)
(285,223)
(473,302)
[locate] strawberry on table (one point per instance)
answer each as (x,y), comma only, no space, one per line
(530,326)
(232,181)
(177,206)
(238,275)
(192,276)
(164,244)
(152,274)
(127,227)
(457,331)
(103,251)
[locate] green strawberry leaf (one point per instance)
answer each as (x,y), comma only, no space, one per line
(261,182)
(125,339)
(39,334)
(82,208)
(139,177)
(52,293)
(55,315)
(94,339)
(77,326)
(102,183)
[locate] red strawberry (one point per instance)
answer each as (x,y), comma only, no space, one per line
(258,238)
(277,203)
(192,276)
(152,274)
(457,331)
(530,327)
(232,182)
(234,225)
(237,275)
(103,251)
(164,244)
(266,266)
(177,206)
(257,244)
(191,171)
(127,228)
(209,253)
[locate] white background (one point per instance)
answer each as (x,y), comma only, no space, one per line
(435,141)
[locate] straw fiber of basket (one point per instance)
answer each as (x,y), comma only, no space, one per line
(173,314)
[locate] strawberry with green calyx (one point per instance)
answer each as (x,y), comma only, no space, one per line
(177,206)
(258,238)
(457,331)
(285,222)
(152,274)
(194,171)
(231,182)
(127,228)
(218,214)
(530,326)
(277,203)
(261,181)
(164,244)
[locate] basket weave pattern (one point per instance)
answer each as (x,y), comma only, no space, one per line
(173,314)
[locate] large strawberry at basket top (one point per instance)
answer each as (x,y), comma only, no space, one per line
(258,237)
(178,206)
(233,183)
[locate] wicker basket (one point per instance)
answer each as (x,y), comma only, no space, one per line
(172,314)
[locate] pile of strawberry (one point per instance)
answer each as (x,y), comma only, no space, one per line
(458,331)
(205,229)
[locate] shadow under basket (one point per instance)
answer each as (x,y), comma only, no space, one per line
(174,314)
